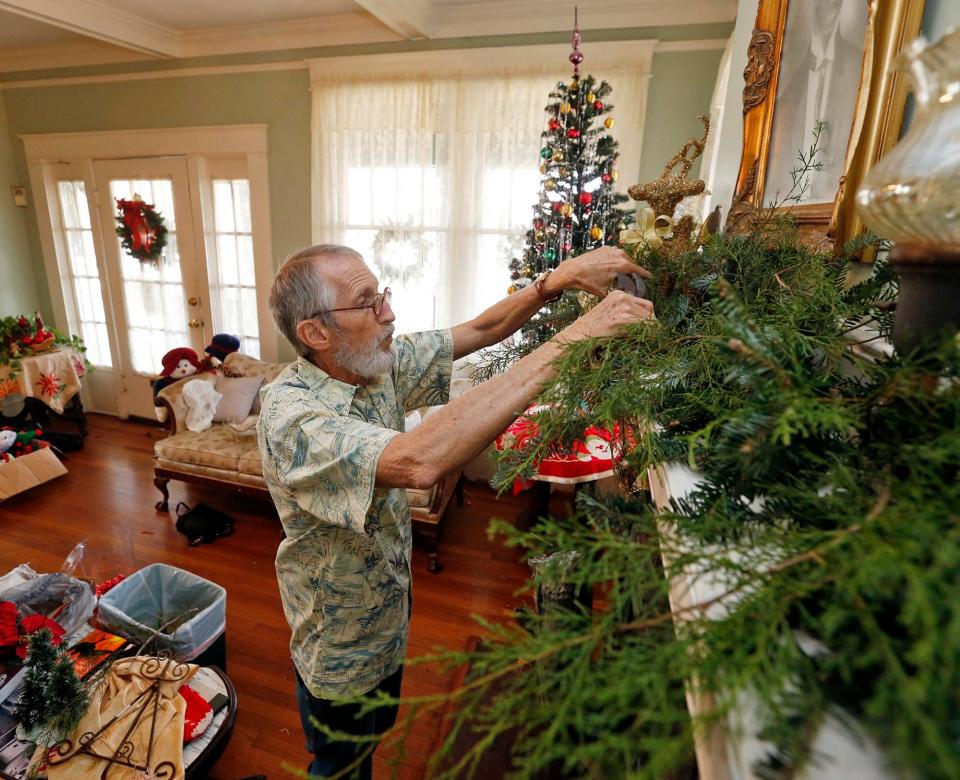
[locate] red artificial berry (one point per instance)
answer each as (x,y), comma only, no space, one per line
(598,105)
(586,198)
(573,133)
(554,124)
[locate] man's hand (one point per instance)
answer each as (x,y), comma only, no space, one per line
(593,272)
(608,318)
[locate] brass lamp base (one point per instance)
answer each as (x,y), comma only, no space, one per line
(929,303)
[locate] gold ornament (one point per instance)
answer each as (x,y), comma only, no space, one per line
(566,209)
(565,107)
(665,193)
(614,175)
(550,184)
(608,122)
(596,232)
(557,155)
(538,234)
(574,86)
(528,270)
(591,97)
(512,289)
(543,167)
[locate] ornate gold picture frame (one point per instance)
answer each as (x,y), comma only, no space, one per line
(877,108)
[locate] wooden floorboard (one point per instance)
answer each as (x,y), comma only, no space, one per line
(107,500)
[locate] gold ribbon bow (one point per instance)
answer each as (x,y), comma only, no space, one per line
(650,229)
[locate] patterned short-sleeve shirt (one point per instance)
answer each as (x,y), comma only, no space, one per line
(344,567)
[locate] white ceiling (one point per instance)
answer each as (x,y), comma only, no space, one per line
(37,34)
(198,14)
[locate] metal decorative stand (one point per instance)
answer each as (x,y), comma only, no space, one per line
(163,669)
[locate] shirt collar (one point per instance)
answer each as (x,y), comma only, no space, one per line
(338,395)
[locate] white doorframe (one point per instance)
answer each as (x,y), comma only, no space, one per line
(249,142)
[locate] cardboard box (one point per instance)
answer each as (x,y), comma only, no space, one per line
(29,471)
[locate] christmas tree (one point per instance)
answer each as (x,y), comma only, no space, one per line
(577,209)
(53,699)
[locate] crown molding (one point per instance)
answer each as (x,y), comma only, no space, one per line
(700,44)
(69,54)
(547,58)
(99,21)
(537,16)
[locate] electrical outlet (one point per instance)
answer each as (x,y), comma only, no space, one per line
(19,196)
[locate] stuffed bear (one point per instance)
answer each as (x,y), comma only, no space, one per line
(220,346)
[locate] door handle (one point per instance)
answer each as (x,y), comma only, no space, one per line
(194,301)
(194,323)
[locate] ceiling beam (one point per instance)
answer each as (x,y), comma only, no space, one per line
(411,18)
(99,21)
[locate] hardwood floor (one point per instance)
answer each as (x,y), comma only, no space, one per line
(107,500)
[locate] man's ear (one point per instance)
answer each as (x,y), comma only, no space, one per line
(314,334)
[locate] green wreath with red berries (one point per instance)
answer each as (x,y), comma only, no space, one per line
(142,231)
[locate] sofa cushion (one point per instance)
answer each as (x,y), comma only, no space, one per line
(249,462)
(218,447)
(238,396)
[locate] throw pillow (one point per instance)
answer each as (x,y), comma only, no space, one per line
(238,396)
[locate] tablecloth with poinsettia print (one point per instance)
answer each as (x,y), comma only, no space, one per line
(52,377)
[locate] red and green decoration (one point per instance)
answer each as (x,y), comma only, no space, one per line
(142,231)
(578,208)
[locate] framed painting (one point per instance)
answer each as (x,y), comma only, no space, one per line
(820,72)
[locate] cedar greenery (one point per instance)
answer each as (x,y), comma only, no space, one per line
(828,508)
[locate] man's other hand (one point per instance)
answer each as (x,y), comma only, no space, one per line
(608,318)
(595,272)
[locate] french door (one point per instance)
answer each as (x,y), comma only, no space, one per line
(155,307)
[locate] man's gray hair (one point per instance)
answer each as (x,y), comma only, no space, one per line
(300,290)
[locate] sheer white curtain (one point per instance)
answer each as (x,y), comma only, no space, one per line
(432,176)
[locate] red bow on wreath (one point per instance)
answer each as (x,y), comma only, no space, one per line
(140,228)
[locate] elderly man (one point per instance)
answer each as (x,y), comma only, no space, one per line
(336,459)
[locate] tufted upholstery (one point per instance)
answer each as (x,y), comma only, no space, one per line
(226,454)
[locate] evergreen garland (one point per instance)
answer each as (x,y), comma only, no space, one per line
(828,510)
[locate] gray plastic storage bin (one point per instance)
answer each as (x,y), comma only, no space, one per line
(157,594)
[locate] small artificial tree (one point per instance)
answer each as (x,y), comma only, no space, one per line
(577,209)
(53,699)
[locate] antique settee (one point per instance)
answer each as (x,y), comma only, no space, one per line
(225,455)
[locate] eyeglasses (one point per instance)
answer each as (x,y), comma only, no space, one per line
(379,302)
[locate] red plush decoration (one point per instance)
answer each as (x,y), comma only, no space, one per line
(9,632)
(199,714)
(33,623)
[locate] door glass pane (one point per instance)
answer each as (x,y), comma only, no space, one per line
(153,294)
(232,278)
(82,271)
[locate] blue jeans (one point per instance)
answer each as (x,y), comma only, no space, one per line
(331,756)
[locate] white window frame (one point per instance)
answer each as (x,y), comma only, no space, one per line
(244,145)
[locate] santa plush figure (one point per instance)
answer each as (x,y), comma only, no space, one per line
(177,364)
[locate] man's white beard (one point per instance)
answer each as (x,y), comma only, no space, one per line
(370,360)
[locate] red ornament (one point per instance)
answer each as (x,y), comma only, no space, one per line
(586,198)
(573,133)
(606,178)
(598,105)
(554,124)
(558,206)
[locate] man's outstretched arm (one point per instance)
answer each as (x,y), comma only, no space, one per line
(457,432)
(594,272)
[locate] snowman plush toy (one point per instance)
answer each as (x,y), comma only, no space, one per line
(177,364)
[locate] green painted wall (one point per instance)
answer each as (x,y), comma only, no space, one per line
(681,86)
(21,277)
(279,99)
